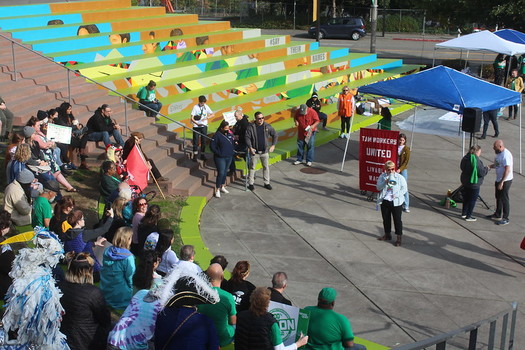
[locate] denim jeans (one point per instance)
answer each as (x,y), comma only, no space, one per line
(309,149)
(156,106)
(222,164)
(104,136)
(406,204)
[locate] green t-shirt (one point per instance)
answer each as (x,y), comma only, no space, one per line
(276,334)
(327,329)
(41,210)
(220,314)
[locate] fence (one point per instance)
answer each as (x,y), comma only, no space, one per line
(473,331)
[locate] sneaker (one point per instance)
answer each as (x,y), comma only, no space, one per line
(406,210)
(471,219)
(251,187)
(218,194)
(342,136)
(72,166)
(494,217)
(297,162)
(224,190)
(268,186)
(463,216)
(308,163)
(502,222)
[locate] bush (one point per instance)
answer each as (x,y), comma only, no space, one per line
(457,64)
(404,24)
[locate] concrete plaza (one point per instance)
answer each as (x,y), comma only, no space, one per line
(320,230)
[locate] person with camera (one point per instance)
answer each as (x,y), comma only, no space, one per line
(199,119)
(392,188)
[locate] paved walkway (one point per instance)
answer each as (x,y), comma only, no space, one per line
(322,232)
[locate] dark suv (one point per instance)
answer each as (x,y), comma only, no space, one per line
(340,27)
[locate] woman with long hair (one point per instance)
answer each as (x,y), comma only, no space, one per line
(87,321)
(403,157)
(118,268)
(16,140)
(146,276)
(223,147)
(258,326)
(139,208)
(238,286)
(118,218)
(58,223)
(79,239)
(148,224)
(7,256)
(66,118)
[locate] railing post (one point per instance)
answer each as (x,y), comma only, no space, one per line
(14,59)
(442,345)
(184,140)
(126,115)
(473,339)
(513,325)
(492,335)
(68,87)
(504,325)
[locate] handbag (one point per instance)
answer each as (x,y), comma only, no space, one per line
(522,246)
(39,169)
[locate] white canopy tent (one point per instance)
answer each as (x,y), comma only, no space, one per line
(483,40)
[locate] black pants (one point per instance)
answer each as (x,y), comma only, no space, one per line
(345,124)
(513,111)
(490,116)
(389,212)
(502,200)
(197,137)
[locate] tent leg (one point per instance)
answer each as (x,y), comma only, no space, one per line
(347,141)
(434,58)
(413,128)
(462,144)
(466,60)
(521,169)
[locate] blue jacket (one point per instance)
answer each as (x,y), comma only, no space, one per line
(116,276)
(223,145)
(398,189)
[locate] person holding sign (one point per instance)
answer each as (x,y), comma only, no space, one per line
(392,188)
(257,328)
(306,121)
(328,329)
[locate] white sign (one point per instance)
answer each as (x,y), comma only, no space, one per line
(292,321)
(59,133)
(230,118)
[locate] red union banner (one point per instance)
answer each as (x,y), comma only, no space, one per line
(375,148)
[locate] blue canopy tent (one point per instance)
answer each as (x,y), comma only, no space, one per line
(447,89)
(511,35)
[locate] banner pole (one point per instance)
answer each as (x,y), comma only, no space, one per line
(149,170)
(347,140)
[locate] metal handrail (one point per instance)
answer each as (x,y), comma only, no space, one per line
(440,341)
(128,99)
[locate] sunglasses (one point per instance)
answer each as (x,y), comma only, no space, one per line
(260,118)
(391,169)
(143,204)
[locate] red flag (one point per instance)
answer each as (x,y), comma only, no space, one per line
(138,171)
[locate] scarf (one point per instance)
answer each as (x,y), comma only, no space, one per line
(474,163)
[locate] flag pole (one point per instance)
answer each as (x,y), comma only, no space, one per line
(151,173)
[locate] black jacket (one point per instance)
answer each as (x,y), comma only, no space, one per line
(466,171)
(86,321)
(239,129)
(315,104)
(98,123)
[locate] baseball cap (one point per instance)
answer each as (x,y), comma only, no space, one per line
(328,294)
(314,94)
(52,185)
(28,131)
(302,109)
(25,177)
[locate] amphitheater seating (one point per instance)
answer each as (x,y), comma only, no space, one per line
(123,47)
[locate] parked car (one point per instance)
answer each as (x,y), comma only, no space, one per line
(340,27)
